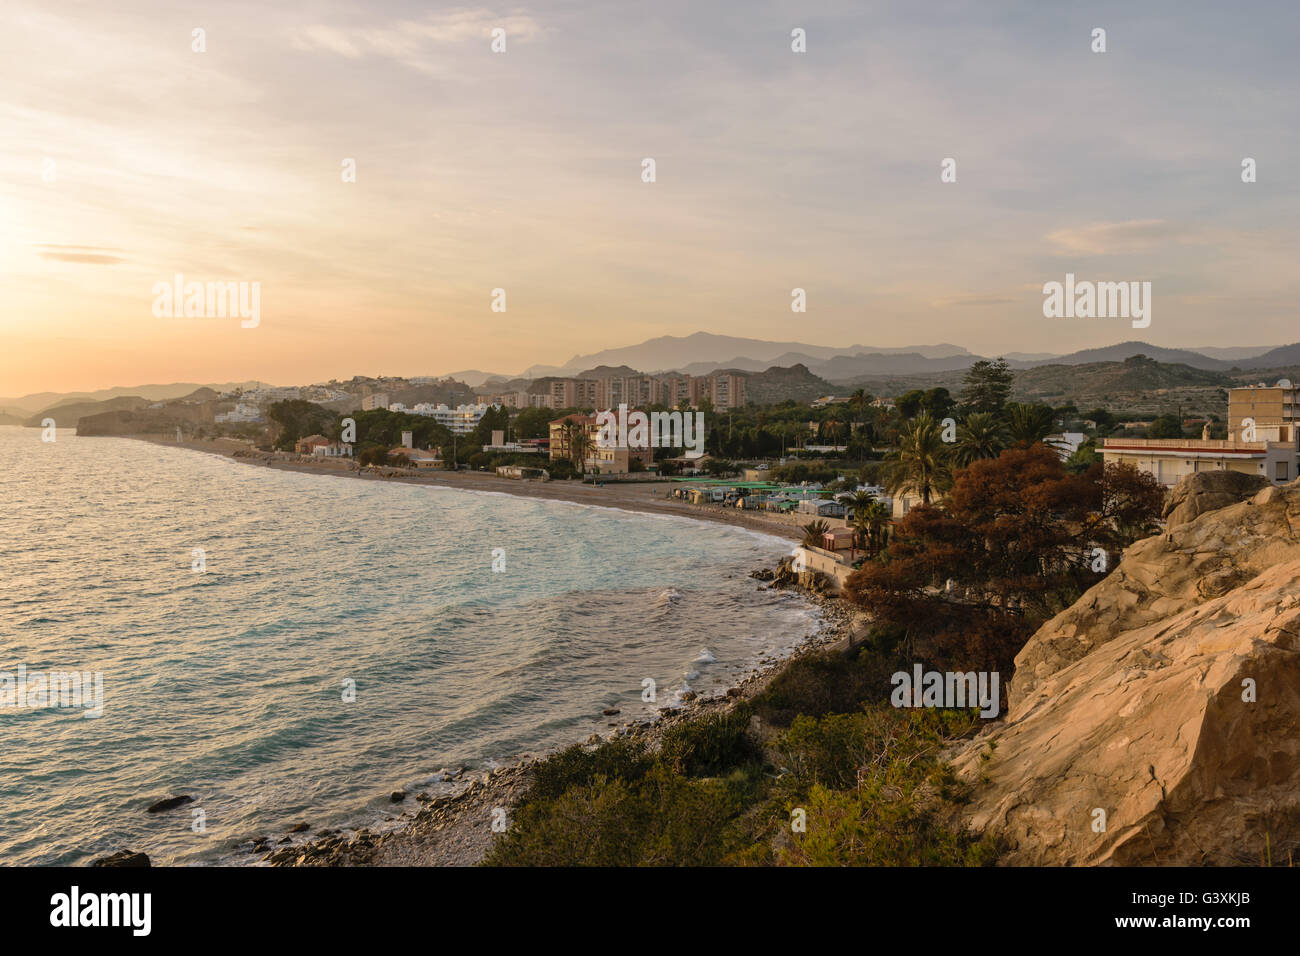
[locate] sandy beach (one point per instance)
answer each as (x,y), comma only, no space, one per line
(454,826)
(642,496)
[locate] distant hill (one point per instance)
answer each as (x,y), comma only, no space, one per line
(66,414)
(670,352)
(1110,382)
(474,378)
(1126,350)
(448,393)
(154,393)
(607,371)
(1286,355)
(779,384)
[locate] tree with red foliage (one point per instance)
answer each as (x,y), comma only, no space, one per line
(968,582)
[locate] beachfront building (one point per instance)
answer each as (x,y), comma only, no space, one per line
(460,420)
(1273,455)
(560,450)
(419,458)
(334,449)
(308,445)
(526,446)
(603,461)
(1263,439)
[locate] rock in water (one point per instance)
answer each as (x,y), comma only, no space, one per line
(122,858)
(1167,699)
(171,803)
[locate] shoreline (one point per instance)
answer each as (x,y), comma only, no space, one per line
(455,829)
(636,497)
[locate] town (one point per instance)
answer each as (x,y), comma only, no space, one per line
(841,467)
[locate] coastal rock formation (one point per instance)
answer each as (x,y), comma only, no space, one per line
(1208,491)
(169,803)
(122,858)
(1157,721)
(1161,576)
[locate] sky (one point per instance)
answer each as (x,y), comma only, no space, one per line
(126,157)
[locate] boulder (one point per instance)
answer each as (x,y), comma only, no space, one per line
(1175,742)
(1162,576)
(1208,491)
(122,858)
(170,803)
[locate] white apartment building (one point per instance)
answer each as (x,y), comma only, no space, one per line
(243,412)
(460,420)
(1263,439)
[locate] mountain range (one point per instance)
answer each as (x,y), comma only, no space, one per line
(702,353)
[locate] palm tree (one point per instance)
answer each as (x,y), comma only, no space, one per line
(857,503)
(876,518)
(1029,423)
(982,435)
(581,446)
(813,531)
(578,443)
(917,464)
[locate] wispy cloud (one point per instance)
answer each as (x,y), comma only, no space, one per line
(1110,238)
(87,255)
(417,44)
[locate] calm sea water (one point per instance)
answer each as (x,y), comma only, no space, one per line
(229,684)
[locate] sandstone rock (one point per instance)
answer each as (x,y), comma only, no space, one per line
(1162,576)
(122,858)
(298,828)
(1151,727)
(1206,491)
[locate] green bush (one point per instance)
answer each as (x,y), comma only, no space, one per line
(707,745)
(661,819)
(577,766)
(881,826)
(826,683)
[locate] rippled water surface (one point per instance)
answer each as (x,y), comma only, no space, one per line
(229,684)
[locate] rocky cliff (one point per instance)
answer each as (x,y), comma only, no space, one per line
(1208,491)
(1157,721)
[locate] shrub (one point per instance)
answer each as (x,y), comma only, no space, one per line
(709,744)
(881,826)
(826,683)
(576,766)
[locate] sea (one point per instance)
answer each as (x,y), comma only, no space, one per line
(290,647)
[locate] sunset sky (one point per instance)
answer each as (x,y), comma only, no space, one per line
(522,170)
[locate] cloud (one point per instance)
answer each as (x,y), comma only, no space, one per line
(417,44)
(88,255)
(973,300)
(1134,235)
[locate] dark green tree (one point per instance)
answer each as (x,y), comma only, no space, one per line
(986,386)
